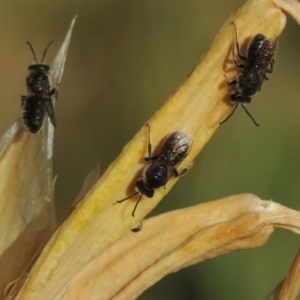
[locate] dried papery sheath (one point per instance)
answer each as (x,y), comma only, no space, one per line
(60,59)
(27,186)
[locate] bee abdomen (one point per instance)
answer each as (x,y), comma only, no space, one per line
(33,111)
(157,177)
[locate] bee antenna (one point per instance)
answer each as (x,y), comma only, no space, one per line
(120,201)
(136,204)
(250,115)
(231,113)
(32,51)
(46,51)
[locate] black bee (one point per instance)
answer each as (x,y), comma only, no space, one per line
(38,102)
(162,166)
(258,62)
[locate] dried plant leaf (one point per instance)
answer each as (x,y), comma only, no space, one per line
(27,199)
(197,107)
(291,285)
(178,239)
(58,65)
(88,183)
(291,7)
(27,187)
(289,288)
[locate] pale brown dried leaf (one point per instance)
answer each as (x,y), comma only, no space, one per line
(291,7)
(27,187)
(178,239)
(289,288)
(27,204)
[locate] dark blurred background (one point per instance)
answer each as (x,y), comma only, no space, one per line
(126,57)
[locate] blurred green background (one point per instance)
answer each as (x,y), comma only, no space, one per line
(126,57)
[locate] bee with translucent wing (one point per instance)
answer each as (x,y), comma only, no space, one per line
(254,68)
(38,103)
(162,166)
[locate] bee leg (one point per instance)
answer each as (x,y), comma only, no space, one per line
(241,66)
(54,93)
(270,70)
(230,114)
(23,100)
(272,64)
(150,157)
(183,172)
(149,143)
(232,82)
(237,45)
(50,112)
